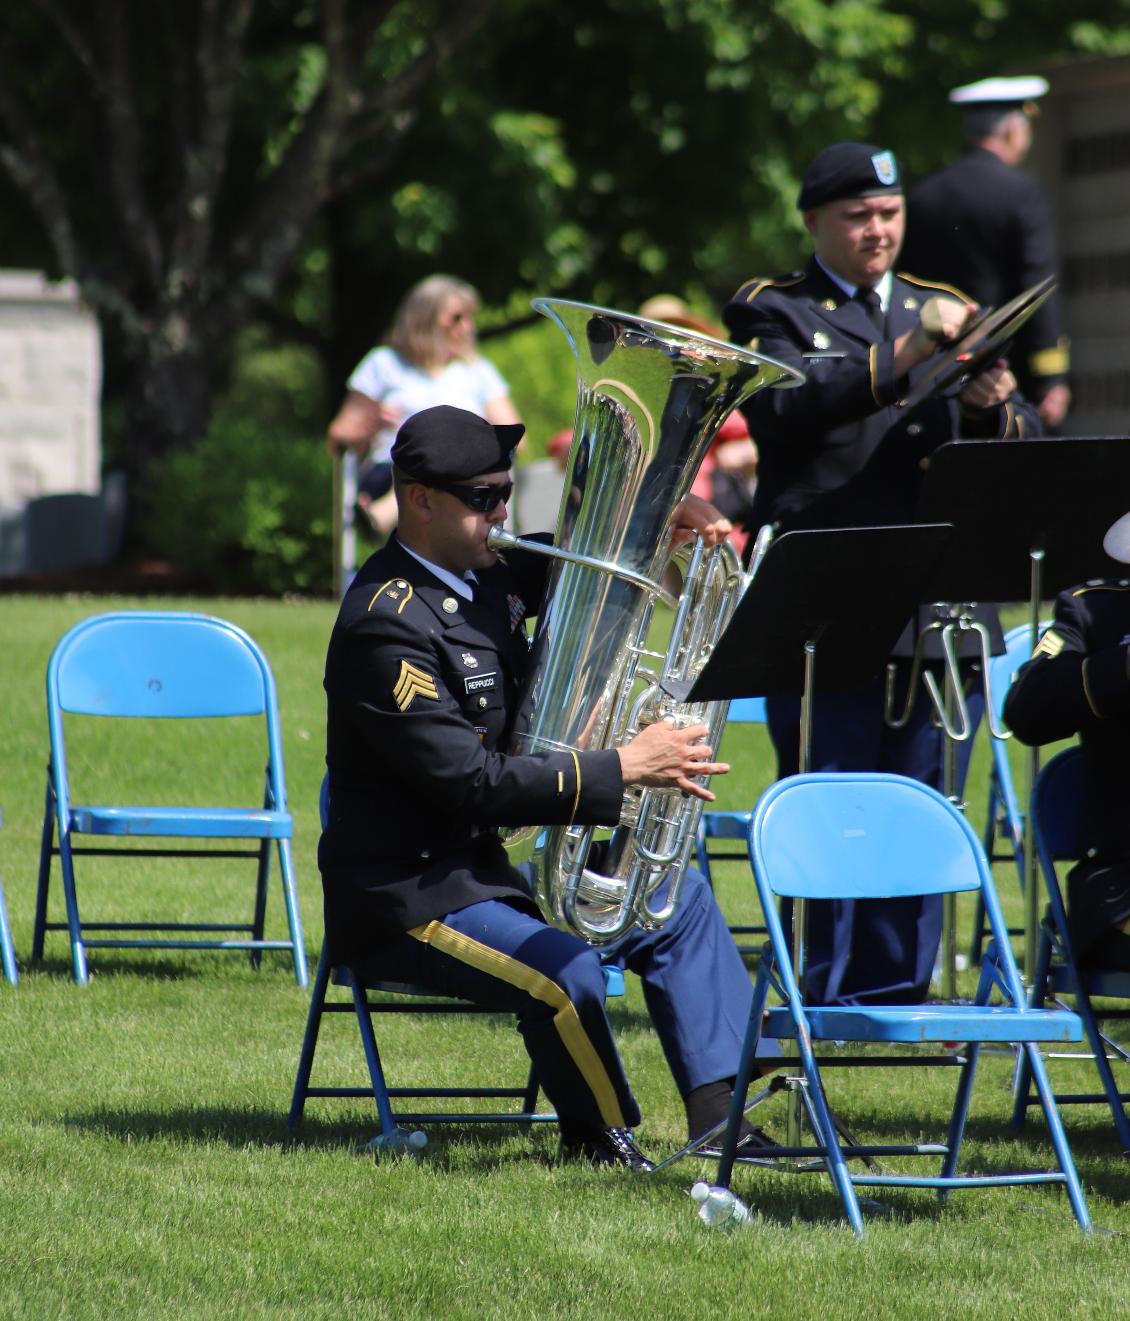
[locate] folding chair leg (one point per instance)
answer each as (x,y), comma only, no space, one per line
(1058,1136)
(373,1059)
(826,1135)
(293,921)
(744,1077)
(74,925)
(7,949)
(259,917)
(960,1113)
(1106,1074)
(309,1042)
(46,843)
(1037,998)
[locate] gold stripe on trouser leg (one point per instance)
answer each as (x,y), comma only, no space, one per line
(567,1021)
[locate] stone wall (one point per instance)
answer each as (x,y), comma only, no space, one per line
(50,440)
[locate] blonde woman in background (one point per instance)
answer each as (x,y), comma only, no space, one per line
(430,357)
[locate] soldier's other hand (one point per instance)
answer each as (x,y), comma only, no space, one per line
(991,388)
(945,319)
(697,517)
(663,756)
(1053,407)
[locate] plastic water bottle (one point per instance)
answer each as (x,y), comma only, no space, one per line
(718,1207)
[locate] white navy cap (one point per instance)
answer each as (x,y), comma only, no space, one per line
(1116,543)
(1000,91)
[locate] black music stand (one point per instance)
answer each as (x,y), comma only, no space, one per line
(1012,500)
(847,594)
(1029,519)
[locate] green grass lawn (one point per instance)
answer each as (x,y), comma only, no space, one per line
(146,1168)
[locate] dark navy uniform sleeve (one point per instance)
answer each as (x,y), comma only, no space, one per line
(433,729)
(1070,685)
(859,379)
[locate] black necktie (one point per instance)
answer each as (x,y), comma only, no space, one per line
(870,300)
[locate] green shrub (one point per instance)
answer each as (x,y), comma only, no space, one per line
(248,511)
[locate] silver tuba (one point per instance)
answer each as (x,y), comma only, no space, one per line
(650,399)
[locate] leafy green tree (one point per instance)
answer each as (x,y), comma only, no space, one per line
(176,155)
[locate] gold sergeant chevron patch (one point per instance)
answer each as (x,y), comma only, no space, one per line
(1050,645)
(412,683)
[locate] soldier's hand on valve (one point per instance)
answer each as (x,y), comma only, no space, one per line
(665,756)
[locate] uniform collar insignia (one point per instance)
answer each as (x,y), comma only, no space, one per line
(910,303)
(469,660)
(829,304)
(450,605)
(820,340)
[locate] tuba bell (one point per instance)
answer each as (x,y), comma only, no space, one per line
(651,398)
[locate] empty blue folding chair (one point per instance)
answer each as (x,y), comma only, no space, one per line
(7,949)
(732,823)
(1004,817)
(164,664)
(371,994)
(874,836)
(1057,819)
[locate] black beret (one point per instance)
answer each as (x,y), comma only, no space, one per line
(848,169)
(444,444)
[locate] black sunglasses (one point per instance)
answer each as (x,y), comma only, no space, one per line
(482,499)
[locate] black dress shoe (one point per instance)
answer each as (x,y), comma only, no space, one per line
(752,1145)
(602,1146)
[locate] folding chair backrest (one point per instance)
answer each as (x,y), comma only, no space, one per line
(857,836)
(153,663)
(747,711)
(1002,669)
(1057,803)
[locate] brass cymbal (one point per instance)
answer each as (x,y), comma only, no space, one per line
(982,344)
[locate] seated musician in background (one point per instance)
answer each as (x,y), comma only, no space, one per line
(837,451)
(422,674)
(1078,682)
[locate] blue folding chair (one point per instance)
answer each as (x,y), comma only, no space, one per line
(7,949)
(875,836)
(371,994)
(163,664)
(729,824)
(1004,817)
(1057,819)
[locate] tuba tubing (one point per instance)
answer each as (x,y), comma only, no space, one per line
(651,398)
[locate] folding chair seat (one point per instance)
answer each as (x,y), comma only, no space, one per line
(182,667)
(1004,817)
(370,995)
(1057,819)
(729,824)
(7,949)
(860,836)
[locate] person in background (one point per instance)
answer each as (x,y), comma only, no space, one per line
(983,224)
(1078,683)
(837,452)
(429,358)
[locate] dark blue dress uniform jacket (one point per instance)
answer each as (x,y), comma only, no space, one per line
(837,451)
(985,226)
(1078,682)
(419,706)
